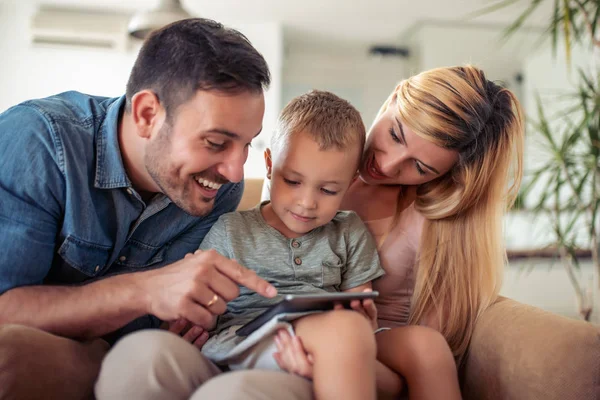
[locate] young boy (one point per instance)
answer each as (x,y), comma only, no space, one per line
(301,243)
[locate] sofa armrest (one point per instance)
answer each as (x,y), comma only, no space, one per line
(521,352)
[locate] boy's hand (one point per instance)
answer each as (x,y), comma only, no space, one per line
(291,356)
(366,307)
(194,334)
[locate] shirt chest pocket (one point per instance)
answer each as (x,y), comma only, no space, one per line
(326,273)
(136,254)
(86,257)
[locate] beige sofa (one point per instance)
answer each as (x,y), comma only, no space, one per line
(520,352)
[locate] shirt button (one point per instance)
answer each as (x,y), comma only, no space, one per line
(297,261)
(97,268)
(122,258)
(129,191)
(295,244)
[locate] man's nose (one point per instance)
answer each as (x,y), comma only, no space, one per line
(232,167)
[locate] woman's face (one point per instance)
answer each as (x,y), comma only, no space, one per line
(395,155)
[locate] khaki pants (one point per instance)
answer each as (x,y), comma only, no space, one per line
(37,365)
(154,364)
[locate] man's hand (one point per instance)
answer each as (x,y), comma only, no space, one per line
(198,287)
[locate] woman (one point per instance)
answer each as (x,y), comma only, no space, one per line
(443,162)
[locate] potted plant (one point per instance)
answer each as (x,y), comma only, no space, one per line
(566,186)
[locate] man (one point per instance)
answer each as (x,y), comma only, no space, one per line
(96,194)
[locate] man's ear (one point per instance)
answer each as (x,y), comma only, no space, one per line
(268,162)
(146,112)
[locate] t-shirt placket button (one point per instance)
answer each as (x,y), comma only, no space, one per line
(298,261)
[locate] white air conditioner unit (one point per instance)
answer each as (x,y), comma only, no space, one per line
(79,27)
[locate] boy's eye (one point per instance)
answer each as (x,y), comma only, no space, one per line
(290,182)
(329,192)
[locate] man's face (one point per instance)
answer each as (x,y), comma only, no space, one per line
(203,147)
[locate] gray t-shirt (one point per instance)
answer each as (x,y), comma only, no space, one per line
(335,257)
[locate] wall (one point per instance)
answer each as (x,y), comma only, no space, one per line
(28,71)
(440,44)
(348,71)
(543,283)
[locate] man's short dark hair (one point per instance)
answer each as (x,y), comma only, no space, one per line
(196,54)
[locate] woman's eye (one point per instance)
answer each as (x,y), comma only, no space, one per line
(395,137)
(420,170)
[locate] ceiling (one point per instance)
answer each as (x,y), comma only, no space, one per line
(362,22)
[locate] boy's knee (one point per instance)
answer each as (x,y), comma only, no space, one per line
(344,326)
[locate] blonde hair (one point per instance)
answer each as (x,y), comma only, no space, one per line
(462,255)
(330,120)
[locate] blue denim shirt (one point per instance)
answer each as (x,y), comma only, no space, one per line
(68,212)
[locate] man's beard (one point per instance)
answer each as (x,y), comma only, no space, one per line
(157,163)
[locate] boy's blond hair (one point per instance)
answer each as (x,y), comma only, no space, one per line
(330,120)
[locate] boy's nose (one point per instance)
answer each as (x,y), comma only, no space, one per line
(307,201)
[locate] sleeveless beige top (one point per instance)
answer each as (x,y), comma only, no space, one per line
(398,255)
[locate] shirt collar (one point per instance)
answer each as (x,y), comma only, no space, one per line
(110,172)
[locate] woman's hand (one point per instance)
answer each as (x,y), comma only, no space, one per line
(291,356)
(366,307)
(194,334)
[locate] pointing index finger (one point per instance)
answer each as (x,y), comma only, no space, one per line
(244,277)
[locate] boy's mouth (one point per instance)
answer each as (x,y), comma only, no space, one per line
(301,218)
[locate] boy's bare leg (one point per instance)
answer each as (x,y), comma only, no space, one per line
(342,345)
(422,356)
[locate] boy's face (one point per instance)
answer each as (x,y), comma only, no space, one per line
(307,184)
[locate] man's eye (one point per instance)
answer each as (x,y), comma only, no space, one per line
(289,182)
(214,145)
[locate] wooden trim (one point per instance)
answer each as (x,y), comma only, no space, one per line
(548,252)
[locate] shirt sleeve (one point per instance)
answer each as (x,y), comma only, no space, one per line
(217,238)
(32,195)
(362,265)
